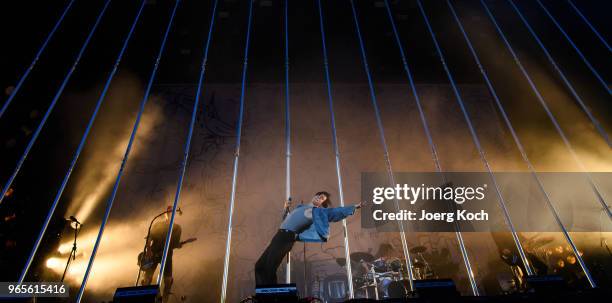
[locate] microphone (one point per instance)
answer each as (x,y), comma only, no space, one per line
(178,210)
(73,219)
(287,208)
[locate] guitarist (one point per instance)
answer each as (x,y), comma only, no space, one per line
(155,248)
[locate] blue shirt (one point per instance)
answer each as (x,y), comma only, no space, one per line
(298,219)
(318,231)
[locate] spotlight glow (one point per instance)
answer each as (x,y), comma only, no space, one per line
(102,167)
(65,248)
(54,263)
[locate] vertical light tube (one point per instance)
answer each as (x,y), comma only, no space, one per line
(111,199)
(432,146)
(287,130)
(42,48)
(466,115)
(520,147)
(194,114)
(228,243)
(336,149)
(407,259)
(552,61)
(59,92)
(552,118)
(60,191)
(578,51)
(595,31)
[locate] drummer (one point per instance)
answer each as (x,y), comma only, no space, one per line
(384,256)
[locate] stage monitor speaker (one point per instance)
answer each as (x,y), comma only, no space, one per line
(137,294)
(277,293)
(546,283)
(435,288)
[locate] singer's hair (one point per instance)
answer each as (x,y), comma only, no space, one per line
(328,201)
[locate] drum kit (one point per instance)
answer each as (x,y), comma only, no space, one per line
(386,277)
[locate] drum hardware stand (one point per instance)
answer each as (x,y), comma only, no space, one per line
(375,284)
(427,267)
(401,273)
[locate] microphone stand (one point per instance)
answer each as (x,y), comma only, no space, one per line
(72,255)
(288,268)
(305,282)
(146,245)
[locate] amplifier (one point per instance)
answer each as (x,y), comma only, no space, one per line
(546,283)
(137,294)
(277,293)
(435,288)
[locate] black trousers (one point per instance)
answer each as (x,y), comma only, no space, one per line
(270,260)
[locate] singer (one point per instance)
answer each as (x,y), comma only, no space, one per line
(306,223)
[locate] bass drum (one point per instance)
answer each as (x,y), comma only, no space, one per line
(398,289)
(335,288)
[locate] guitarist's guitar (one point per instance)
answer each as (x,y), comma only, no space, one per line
(147,259)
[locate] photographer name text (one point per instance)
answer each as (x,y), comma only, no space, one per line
(408,215)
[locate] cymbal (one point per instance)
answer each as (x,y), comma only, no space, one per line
(359,256)
(418,249)
(543,241)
